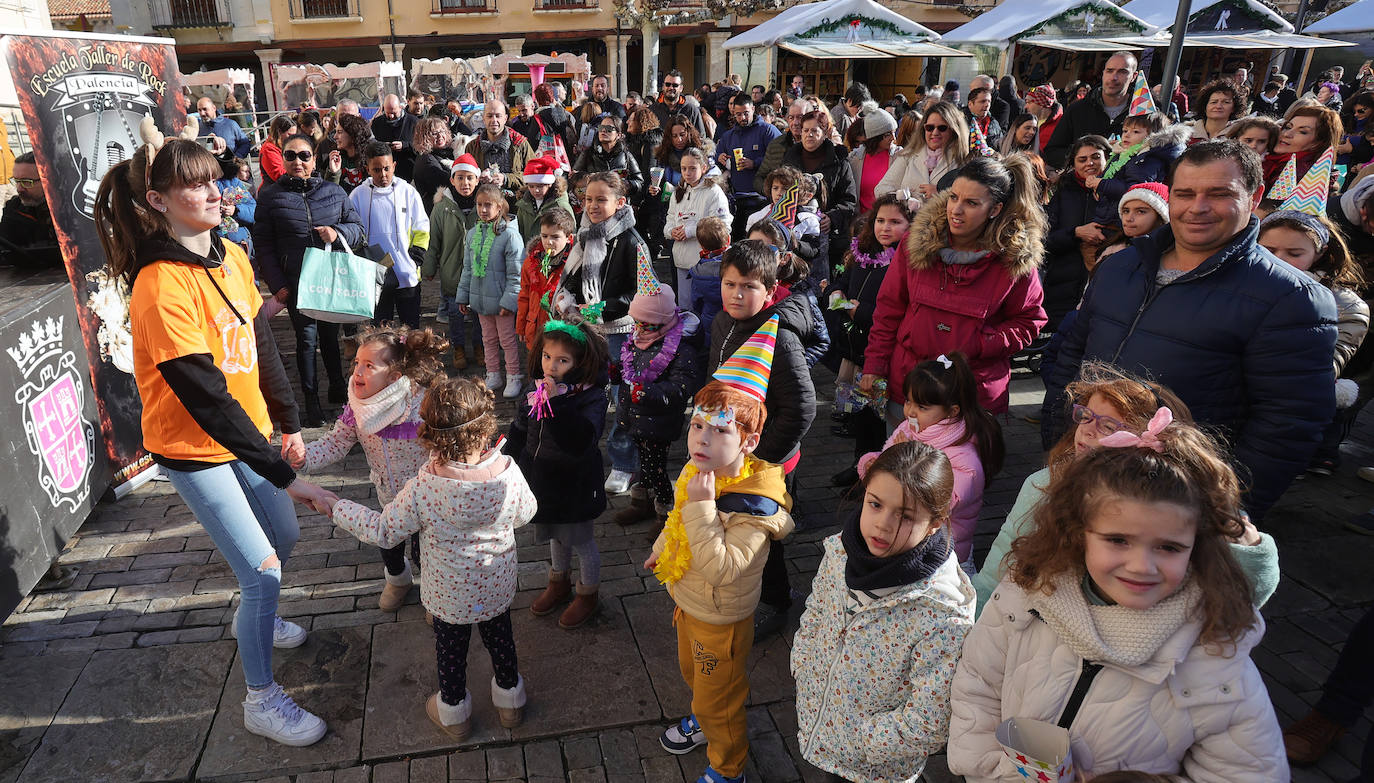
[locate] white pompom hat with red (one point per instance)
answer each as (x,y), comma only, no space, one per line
(541,171)
(465,162)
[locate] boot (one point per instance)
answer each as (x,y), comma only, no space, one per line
(515,383)
(558,590)
(661,510)
(510,704)
(1310,738)
(582,608)
(395,589)
(479,356)
(314,414)
(454,719)
(641,508)
(460,359)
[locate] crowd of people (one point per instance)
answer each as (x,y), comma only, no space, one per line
(1197,308)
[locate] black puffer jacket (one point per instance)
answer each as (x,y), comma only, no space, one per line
(791,399)
(617,271)
(1080,119)
(850,336)
(1245,340)
(560,457)
(642,146)
(658,413)
(432,172)
(288,211)
(1064,274)
(620,159)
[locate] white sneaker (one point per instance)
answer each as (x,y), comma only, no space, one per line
(618,483)
(514,384)
(285,634)
(495,380)
(274,715)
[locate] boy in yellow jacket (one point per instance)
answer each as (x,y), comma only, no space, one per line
(727,506)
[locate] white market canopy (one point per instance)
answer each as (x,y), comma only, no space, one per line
(1222,16)
(1357,17)
(844,29)
(1073,25)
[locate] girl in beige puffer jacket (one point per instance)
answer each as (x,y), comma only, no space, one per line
(1125,620)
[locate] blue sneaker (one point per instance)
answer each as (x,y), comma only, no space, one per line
(683,737)
(712,776)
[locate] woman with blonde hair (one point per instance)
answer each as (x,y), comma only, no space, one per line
(940,149)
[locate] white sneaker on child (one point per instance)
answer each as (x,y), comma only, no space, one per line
(514,384)
(618,483)
(271,713)
(495,381)
(285,634)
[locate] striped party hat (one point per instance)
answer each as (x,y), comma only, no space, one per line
(1310,194)
(1142,102)
(1287,181)
(785,211)
(748,369)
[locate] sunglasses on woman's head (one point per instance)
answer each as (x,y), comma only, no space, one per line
(293,155)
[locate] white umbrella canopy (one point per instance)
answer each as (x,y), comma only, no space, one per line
(1355,18)
(803,18)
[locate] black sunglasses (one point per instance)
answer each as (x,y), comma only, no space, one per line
(293,155)
(936,128)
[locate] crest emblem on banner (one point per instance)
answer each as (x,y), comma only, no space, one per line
(100,116)
(52,399)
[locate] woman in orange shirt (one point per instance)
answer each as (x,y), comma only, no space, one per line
(212,384)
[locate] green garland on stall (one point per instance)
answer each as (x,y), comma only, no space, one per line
(831,26)
(1105,9)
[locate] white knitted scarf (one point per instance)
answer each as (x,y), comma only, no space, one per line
(383,409)
(1113,634)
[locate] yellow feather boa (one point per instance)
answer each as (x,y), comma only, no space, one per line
(676,556)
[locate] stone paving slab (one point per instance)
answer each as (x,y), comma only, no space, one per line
(327,676)
(134,715)
(34,689)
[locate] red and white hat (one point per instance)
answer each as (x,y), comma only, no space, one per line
(1154,194)
(465,162)
(541,171)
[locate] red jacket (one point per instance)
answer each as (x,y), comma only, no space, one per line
(989,310)
(530,314)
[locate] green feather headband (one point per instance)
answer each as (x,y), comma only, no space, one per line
(571,330)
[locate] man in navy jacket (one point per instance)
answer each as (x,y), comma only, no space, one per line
(1245,340)
(753,137)
(212,124)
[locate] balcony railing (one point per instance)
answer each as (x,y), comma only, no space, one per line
(179,14)
(463,6)
(566,5)
(324,9)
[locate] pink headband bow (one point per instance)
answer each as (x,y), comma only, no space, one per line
(1149,439)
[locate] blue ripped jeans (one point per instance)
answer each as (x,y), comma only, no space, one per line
(249,520)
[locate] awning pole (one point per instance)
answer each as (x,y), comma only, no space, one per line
(1175,53)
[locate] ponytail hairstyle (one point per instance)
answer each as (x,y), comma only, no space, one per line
(704,160)
(588,348)
(791,267)
(1189,472)
(868,243)
(417,353)
(1017,233)
(124,219)
(953,385)
(926,477)
(493,194)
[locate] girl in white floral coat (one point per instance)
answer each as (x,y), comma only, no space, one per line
(465,503)
(881,634)
(391,371)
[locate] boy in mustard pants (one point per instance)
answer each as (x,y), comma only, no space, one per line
(727,506)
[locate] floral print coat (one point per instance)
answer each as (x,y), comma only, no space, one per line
(873,676)
(394,454)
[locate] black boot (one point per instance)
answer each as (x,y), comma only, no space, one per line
(314,414)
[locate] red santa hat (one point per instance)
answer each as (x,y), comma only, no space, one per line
(465,162)
(1154,194)
(541,171)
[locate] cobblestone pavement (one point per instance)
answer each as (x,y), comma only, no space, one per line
(131,673)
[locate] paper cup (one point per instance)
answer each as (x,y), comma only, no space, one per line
(1039,750)
(739,157)
(656,175)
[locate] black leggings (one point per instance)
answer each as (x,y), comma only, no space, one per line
(653,469)
(451,651)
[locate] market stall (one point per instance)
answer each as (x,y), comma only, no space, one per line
(219,84)
(1353,25)
(513,75)
(467,80)
(322,86)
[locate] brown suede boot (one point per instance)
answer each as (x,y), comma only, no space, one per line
(479,355)
(641,508)
(1310,738)
(460,359)
(582,608)
(556,593)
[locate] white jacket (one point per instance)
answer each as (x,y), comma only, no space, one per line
(907,171)
(1183,712)
(873,684)
(703,201)
(395,219)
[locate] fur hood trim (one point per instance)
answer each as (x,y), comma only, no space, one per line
(1021,253)
(1175,135)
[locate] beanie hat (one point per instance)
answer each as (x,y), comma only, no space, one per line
(1043,95)
(541,171)
(1154,194)
(465,162)
(878,122)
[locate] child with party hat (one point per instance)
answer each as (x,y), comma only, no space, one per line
(727,507)
(1148,147)
(657,369)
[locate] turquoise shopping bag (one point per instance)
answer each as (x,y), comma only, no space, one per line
(337,286)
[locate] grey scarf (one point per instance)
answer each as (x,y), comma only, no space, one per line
(589,252)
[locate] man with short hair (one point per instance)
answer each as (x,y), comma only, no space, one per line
(632,103)
(1244,339)
(671,101)
(396,126)
(999,109)
(751,137)
(453,114)
(348,106)
(212,123)
(1100,113)
(499,146)
(26,223)
(1266,103)
(846,112)
(522,116)
(601,93)
(777,148)
(415,103)
(798,87)
(756,93)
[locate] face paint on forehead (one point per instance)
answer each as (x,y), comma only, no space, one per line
(715,418)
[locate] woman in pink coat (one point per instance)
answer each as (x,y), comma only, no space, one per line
(964,279)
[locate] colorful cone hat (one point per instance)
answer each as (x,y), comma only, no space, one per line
(652,304)
(1142,102)
(785,211)
(1309,197)
(1287,181)
(977,142)
(748,369)
(646,283)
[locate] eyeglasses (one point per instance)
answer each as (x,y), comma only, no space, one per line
(25,182)
(643,327)
(936,128)
(1105,425)
(293,155)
